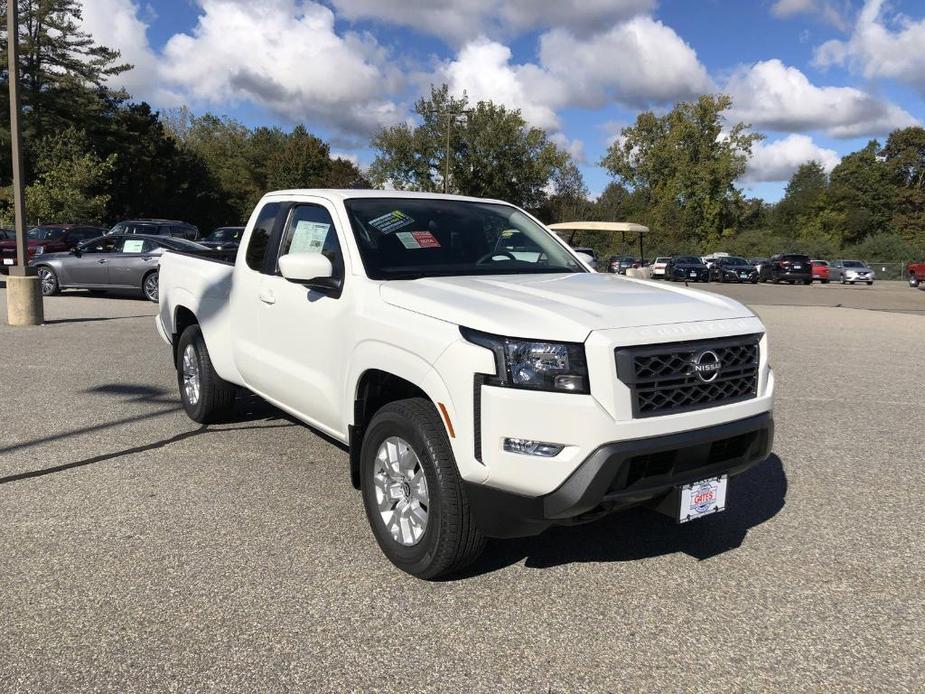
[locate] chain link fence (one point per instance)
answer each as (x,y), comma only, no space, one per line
(889,271)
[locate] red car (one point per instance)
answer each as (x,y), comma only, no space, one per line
(916,273)
(821,271)
(48,238)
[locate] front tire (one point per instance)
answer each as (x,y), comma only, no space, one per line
(48,281)
(913,281)
(414,498)
(150,286)
(207,398)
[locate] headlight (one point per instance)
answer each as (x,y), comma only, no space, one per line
(38,250)
(533,364)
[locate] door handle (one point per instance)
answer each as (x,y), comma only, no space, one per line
(101,260)
(267,296)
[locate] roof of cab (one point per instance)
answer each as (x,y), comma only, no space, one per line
(348,193)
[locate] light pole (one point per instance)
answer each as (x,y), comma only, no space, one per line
(23,291)
(451,116)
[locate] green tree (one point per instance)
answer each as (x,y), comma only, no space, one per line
(687,162)
(904,155)
(63,70)
(861,195)
(493,152)
(801,198)
(72,181)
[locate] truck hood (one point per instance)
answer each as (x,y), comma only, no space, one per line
(556,307)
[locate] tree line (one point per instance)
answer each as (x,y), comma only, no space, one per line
(92,154)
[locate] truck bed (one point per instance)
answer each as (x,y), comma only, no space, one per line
(201,283)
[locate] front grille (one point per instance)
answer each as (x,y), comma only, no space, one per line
(664,379)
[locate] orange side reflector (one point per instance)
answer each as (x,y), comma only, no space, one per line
(446,418)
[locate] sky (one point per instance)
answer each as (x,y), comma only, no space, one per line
(818,78)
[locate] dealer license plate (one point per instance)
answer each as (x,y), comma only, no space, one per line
(702,498)
(798,267)
(7,261)
(693,274)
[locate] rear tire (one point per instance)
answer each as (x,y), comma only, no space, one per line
(825,281)
(870,284)
(207,398)
(48,281)
(405,443)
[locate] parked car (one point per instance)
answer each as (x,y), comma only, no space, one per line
(787,267)
(820,270)
(658,267)
(710,260)
(621,263)
(461,378)
(732,268)
(758,263)
(851,271)
(114,261)
(223,238)
(687,268)
(915,271)
(588,251)
(157,227)
(47,238)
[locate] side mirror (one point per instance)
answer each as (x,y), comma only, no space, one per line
(76,250)
(586,259)
(311,269)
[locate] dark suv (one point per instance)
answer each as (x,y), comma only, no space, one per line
(788,267)
(157,227)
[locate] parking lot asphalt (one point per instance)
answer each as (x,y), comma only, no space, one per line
(139,551)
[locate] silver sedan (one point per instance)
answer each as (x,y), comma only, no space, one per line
(128,261)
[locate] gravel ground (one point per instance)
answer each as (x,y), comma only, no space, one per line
(139,551)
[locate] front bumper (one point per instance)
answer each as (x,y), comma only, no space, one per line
(622,474)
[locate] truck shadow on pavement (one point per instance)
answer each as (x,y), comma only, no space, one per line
(754,497)
(249,409)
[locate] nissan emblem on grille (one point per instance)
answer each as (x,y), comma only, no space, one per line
(706,365)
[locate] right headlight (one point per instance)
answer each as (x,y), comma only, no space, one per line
(558,367)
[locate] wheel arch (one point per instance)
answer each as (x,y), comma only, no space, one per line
(395,375)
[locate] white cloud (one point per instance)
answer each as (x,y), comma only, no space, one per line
(116,24)
(655,67)
(876,50)
(483,70)
(829,11)
(776,161)
(460,20)
(283,55)
(772,95)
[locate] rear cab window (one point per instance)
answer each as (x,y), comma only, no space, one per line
(256,254)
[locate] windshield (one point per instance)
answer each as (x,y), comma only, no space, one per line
(854,263)
(44,234)
(407,238)
(688,260)
(662,259)
(735,260)
(225,234)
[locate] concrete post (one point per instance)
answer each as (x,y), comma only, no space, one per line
(24,300)
(23,290)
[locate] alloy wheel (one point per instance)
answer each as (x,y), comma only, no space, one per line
(151,287)
(47,280)
(401,491)
(190,369)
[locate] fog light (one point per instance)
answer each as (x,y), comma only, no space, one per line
(528,447)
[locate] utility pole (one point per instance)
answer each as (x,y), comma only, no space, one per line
(23,291)
(451,116)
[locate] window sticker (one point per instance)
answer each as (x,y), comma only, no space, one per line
(133,245)
(425,239)
(393,221)
(308,237)
(417,239)
(407,239)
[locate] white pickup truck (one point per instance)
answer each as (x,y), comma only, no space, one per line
(486,382)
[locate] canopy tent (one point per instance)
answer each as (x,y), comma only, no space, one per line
(623,228)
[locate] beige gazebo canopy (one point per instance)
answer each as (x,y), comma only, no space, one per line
(622,228)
